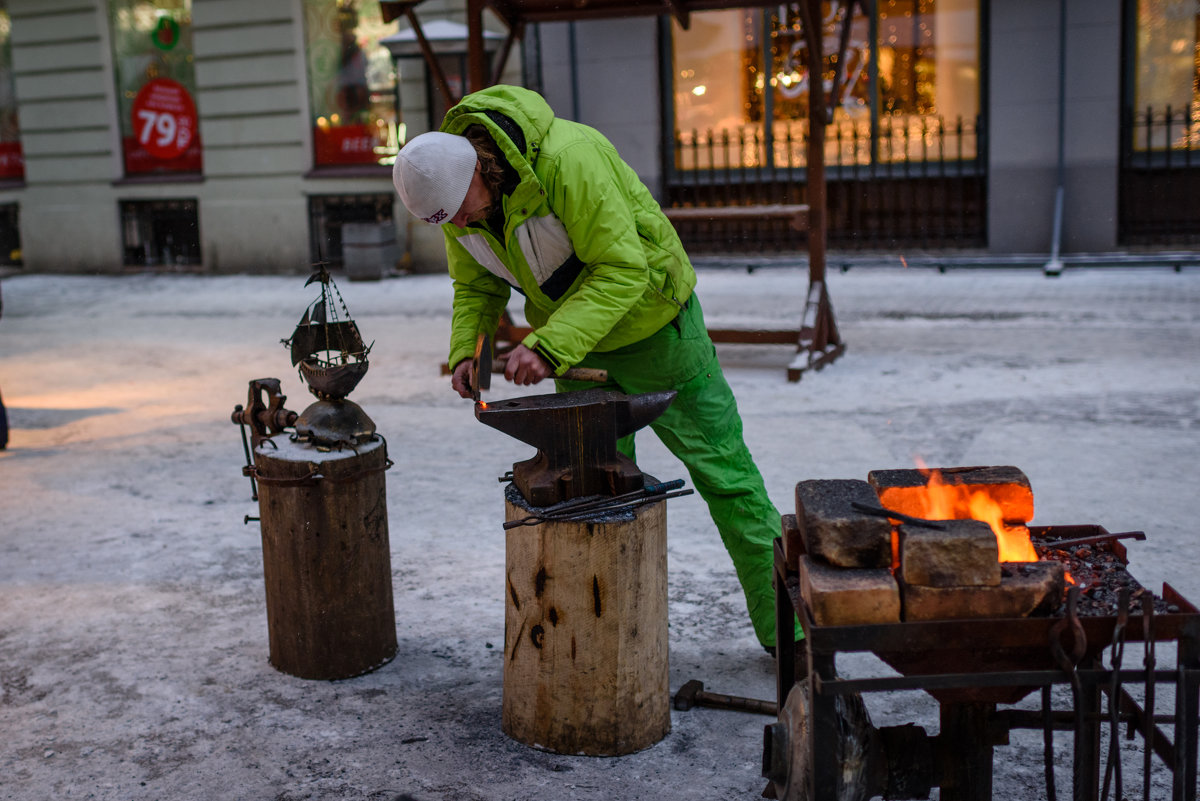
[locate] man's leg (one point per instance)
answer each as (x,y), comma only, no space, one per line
(703,430)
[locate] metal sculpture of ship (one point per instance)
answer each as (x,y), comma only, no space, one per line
(328,350)
(331,357)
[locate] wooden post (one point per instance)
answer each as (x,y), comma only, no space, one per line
(585,633)
(326,561)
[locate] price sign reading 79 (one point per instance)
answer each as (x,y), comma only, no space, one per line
(164,118)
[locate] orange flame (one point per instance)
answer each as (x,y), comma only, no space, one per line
(952,502)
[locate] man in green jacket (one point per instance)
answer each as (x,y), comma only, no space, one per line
(545,206)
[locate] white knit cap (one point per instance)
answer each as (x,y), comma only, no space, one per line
(432,174)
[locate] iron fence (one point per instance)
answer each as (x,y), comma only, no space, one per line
(901,182)
(1160,177)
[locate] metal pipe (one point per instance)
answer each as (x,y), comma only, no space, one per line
(1054,266)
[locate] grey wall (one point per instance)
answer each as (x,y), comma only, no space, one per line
(1023,125)
(617,76)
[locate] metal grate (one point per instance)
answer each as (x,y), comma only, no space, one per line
(915,182)
(10,235)
(1160,178)
(160,233)
(328,213)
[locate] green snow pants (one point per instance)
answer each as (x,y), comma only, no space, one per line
(702,429)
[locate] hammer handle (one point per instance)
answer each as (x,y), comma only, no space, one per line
(737,702)
(585,374)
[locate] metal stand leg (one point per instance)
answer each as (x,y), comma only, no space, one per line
(1187,701)
(825,734)
(966,773)
(1087,741)
(785,630)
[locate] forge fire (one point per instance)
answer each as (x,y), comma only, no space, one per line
(944,543)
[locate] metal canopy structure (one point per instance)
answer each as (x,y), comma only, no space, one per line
(818,341)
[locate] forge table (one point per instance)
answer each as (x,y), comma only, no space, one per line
(970,667)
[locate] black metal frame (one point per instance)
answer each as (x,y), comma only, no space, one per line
(162,233)
(962,720)
(10,234)
(1156,187)
(327,214)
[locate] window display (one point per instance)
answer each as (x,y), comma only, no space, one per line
(351,83)
(911,75)
(12,163)
(156,86)
(1166,82)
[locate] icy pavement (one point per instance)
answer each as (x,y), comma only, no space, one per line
(133,641)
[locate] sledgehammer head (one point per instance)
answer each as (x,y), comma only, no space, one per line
(685,699)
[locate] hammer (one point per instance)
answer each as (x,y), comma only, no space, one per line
(480,376)
(693,694)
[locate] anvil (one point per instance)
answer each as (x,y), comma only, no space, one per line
(576,436)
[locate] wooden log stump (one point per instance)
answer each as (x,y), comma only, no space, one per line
(326,560)
(585,632)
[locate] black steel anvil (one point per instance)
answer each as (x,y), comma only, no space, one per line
(576,436)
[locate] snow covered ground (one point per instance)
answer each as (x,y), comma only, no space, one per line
(133,639)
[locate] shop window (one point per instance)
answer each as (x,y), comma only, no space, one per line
(909,85)
(160,233)
(328,213)
(156,86)
(12,162)
(351,84)
(10,235)
(1166,75)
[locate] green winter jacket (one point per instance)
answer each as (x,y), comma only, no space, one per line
(599,264)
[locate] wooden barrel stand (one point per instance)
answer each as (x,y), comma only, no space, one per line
(585,633)
(326,560)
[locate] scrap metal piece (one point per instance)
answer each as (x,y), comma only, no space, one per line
(576,436)
(337,423)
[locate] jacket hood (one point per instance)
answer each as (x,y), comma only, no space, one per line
(527,109)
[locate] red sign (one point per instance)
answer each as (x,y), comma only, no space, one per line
(12,164)
(164,119)
(345,144)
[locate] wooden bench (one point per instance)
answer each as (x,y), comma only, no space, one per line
(795,213)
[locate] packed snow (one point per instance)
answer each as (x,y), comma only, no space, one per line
(133,634)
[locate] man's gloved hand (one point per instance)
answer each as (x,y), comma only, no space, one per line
(525,367)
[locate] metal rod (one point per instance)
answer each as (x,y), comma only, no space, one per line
(1124,535)
(1012,678)
(879,511)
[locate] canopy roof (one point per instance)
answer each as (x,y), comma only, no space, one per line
(519,12)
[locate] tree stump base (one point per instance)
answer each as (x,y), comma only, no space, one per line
(326,561)
(585,632)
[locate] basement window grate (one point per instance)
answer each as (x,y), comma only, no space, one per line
(160,233)
(10,235)
(328,213)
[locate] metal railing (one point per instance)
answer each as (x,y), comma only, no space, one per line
(907,181)
(1160,177)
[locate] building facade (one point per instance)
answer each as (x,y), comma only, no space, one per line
(226,136)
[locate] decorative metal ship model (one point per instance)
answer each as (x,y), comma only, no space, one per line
(331,357)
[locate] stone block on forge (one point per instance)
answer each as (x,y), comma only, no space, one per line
(841,597)
(833,530)
(1025,588)
(961,553)
(904,490)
